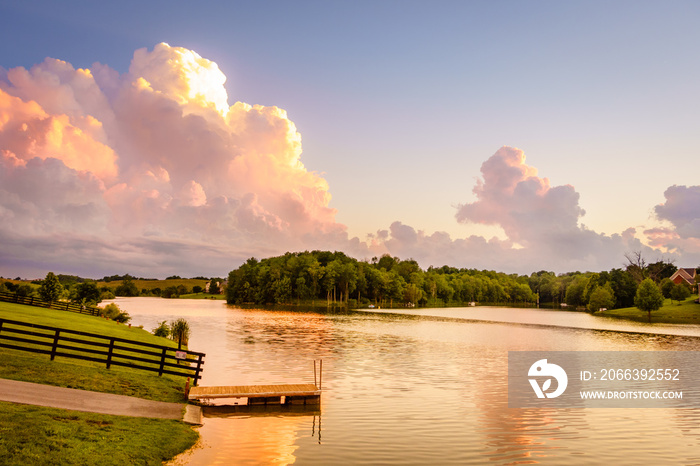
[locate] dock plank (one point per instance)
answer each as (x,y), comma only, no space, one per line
(254,391)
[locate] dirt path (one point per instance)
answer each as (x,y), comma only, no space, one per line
(95,402)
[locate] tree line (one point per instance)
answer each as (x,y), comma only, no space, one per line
(388,281)
(55,287)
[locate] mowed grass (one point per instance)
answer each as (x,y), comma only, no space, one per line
(38,435)
(687,312)
(79,323)
(32,435)
(86,375)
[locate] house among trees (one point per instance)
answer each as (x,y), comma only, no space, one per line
(686,276)
(215,286)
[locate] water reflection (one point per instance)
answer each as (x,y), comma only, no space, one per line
(414,389)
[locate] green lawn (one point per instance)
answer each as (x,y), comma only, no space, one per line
(78,322)
(47,436)
(687,312)
(37,435)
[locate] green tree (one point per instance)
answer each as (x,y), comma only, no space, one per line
(170,292)
(575,291)
(648,297)
(395,287)
(412,294)
(127,287)
(666,286)
(679,292)
(24,289)
(51,288)
(86,293)
(625,287)
(602,297)
(283,290)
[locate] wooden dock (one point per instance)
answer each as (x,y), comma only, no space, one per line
(261,394)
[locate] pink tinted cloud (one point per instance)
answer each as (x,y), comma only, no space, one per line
(156,152)
(541,223)
(152,172)
(512,196)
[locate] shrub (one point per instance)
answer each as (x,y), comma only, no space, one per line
(680,292)
(170,292)
(163,330)
(122,317)
(24,290)
(112,311)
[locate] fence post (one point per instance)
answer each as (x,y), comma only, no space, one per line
(55,344)
(109,354)
(198,370)
(162,362)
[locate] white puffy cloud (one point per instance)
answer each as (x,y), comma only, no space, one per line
(541,223)
(152,172)
(155,153)
(512,196)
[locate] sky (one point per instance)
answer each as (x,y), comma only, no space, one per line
(160,138)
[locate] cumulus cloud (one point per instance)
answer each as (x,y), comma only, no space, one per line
(682,212)
(156,153)
(541,223)
(512,196)
(152,172)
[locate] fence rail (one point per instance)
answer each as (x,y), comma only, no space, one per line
(58,305)
(112,351)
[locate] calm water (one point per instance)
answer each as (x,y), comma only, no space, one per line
(427,386)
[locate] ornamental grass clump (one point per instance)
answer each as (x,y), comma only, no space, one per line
(180,332)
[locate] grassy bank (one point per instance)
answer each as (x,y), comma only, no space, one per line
(203,296)
(47,436)
(78,322)
(687,312)
(37,435)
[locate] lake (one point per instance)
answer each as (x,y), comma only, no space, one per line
(421,386)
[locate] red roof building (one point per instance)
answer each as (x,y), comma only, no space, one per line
(686,276)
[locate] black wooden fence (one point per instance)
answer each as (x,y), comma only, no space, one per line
(112,351)
(58,305)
